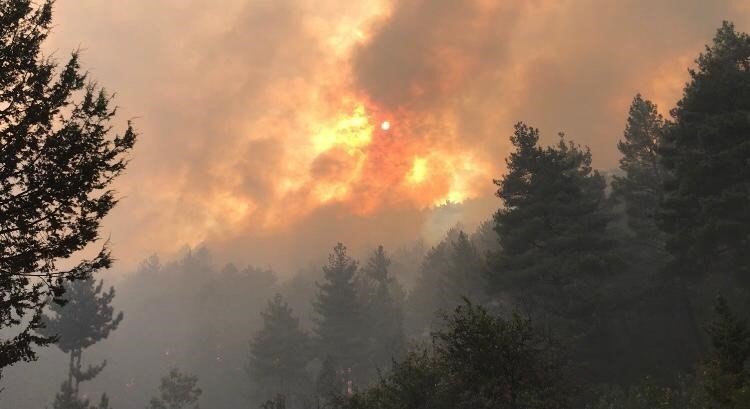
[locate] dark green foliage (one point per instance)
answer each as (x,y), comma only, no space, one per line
(383,311)
(707,203)
(177,391)
(339,314)
(84,318)
(57,161)
(451,270)
(478,361)
(557,255)
(641,188)
(727,375)
(649,309)
(279,353)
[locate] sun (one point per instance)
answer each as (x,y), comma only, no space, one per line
(386,125)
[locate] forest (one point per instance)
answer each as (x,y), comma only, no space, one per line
(623,288)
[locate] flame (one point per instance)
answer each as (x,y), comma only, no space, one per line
(418,171)
(352,132)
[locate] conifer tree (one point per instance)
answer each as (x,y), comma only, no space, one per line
(383,312)
(339,314)
(84,318)
(464,277)
(556,254)
(58,158)
(707,205)
(177,390)
(641,187)
(279,353)
(451,271)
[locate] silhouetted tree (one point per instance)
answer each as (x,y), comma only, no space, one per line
(383,311)
(279,353)
(641,187)
(57,161)
(557,257)
(176,391)
(84,318)
(707,205)
(339,313)
(451,270)
(477,361)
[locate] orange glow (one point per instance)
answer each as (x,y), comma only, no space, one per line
(418,171)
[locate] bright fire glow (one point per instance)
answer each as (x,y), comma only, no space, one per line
(351,132)
(386,125)
(418,171)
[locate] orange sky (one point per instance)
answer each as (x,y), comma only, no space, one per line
(262,121)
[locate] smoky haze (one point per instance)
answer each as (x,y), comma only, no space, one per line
(271,130)
(227,94)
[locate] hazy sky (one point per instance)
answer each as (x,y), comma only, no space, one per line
(263,122)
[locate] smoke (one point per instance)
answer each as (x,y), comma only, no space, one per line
(261,119)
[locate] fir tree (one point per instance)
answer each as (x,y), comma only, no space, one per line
(383,311)
(451,270)
(177,391)
(556,255)
(641,187)
(339,315)
(279,353)
(707,201)
(84,318)
(57,161)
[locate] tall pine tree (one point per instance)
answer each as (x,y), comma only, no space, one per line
(707,203)
(556,255)
(279,353)
(641,187)
(383,312)
(84,318)
(339,315)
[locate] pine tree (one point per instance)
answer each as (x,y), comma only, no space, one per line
(465,278)
(641,187)
(177,391)
(279,353)
(556,255)
(383,312)
(57,161)
(340,329)
(707,201)
(451,271)
(84,318)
